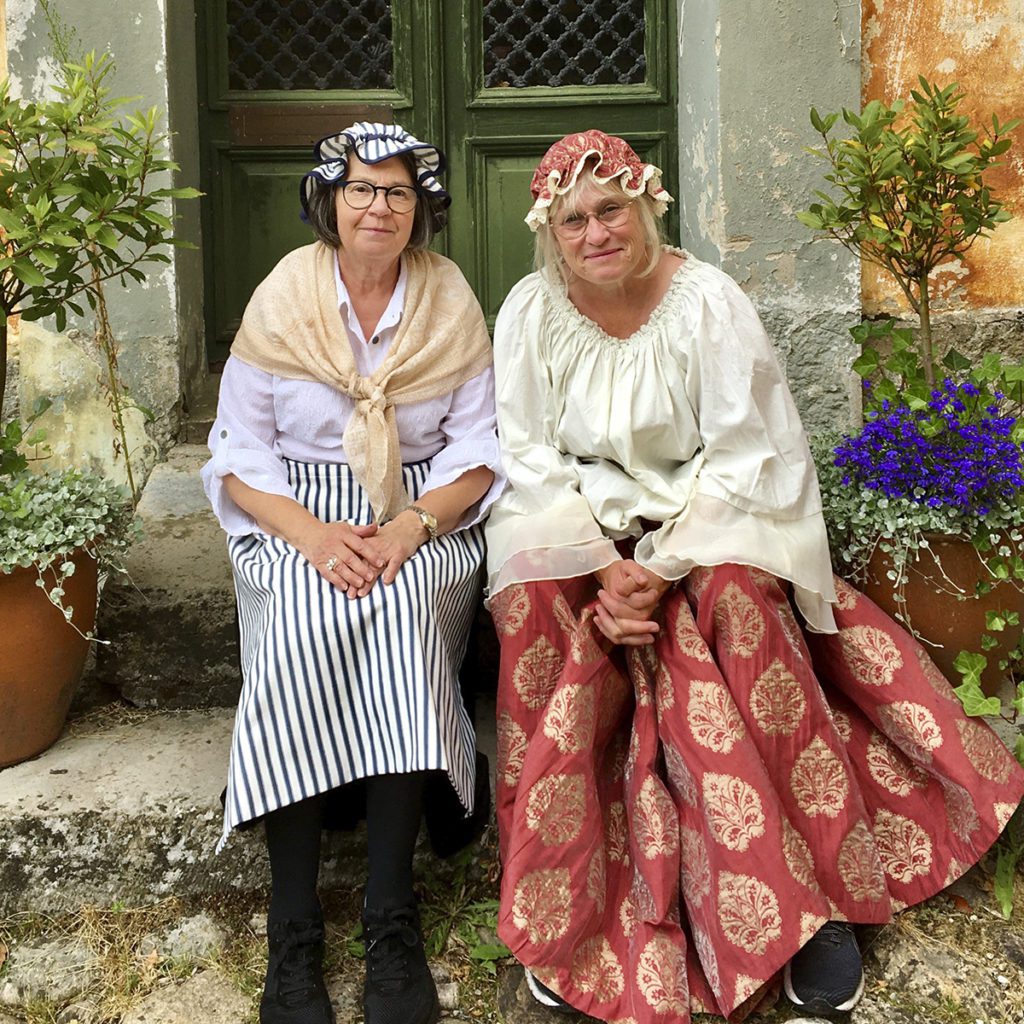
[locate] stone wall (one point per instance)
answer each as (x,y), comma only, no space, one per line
(159,323)
(980,45)
(748,74)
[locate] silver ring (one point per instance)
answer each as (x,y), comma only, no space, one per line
(331,563)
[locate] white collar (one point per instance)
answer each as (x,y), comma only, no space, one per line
(392,314)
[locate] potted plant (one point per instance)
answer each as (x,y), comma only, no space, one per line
(925,502)
(81,204)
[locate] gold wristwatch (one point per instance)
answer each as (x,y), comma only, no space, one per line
(428,519)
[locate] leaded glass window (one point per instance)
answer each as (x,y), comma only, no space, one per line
(309,44)
(563,42)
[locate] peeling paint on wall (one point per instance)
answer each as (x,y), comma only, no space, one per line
(980,44)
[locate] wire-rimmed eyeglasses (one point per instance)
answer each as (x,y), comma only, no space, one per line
(574,225)
(361,194)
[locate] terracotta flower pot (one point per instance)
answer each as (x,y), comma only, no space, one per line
(939,615)
(41,657)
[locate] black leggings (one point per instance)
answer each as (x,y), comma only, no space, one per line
(394,805)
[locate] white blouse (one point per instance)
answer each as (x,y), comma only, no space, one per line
(683,435)
(262,419)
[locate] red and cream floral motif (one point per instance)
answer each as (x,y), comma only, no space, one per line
(656,828)
(661,976)
(846,596)
(616,834)
(859,866)
(509,609)
(615,693)
(798,856)
(904,847)
(791,630)
(912,727)
(690,642)
(698,581)
(871,654)
(640,674)
(570,718)
(511,749)
(891,769)
(679,775)
(642,899)
(733,811)
(819,781)
(664,693)
(745,987)
(777,701)
(938,682)
(627,916)
(954,871)
(597,885)
(810,925)
(983,749)
(695,870)
(542,904)
(708,960)
(712,715)
(738,622)
(841,721)
(596,970)
(555,808)
(960,810)
(1003,813)
(748,910)
(536,673)
(583,648)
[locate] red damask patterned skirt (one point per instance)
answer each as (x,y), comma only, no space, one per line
(677,820)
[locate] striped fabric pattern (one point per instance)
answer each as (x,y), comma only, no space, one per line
(372,142)
(335,690)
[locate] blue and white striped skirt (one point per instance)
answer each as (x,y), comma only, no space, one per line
(335,690)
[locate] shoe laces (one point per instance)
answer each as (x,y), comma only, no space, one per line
(389,946)
(294,962)
(836,933)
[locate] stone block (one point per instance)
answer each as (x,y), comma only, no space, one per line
(130,811)
(208,997)
(52,971)
(171,623)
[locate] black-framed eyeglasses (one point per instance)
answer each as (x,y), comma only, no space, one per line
(361,194)
(611,215)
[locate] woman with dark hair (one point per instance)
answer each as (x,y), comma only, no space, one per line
(712,755)
(354,456)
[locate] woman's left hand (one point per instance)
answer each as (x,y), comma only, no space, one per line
(627,602)
(397,541)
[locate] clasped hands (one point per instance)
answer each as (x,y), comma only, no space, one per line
(353,557)
(627,601)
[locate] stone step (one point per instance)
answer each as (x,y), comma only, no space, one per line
(125,807)
(171,622)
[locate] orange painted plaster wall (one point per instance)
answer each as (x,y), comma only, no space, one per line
(980,44)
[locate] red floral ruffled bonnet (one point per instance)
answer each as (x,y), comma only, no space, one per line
(611,157)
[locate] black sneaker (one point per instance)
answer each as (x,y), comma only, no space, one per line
(294,992)
(826,976)
(544,995)
(399,987)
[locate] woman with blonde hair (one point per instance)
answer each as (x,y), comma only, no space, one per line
(713,756)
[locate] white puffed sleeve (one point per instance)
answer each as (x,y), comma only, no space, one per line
(755,499)
(242,442)
(471,441)
(542,526)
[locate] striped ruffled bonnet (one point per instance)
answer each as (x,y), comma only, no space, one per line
(372,142)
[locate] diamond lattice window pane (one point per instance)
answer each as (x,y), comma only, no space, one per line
(309,44)
(563,42)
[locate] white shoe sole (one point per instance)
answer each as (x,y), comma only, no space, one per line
(850,1003)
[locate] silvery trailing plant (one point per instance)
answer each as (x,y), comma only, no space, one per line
(83,202)
(940,448)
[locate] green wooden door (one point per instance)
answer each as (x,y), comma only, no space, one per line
(493,82)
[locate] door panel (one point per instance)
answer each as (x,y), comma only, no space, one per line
(493,82)
(531,71)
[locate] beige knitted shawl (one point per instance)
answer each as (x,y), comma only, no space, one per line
(292,328)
